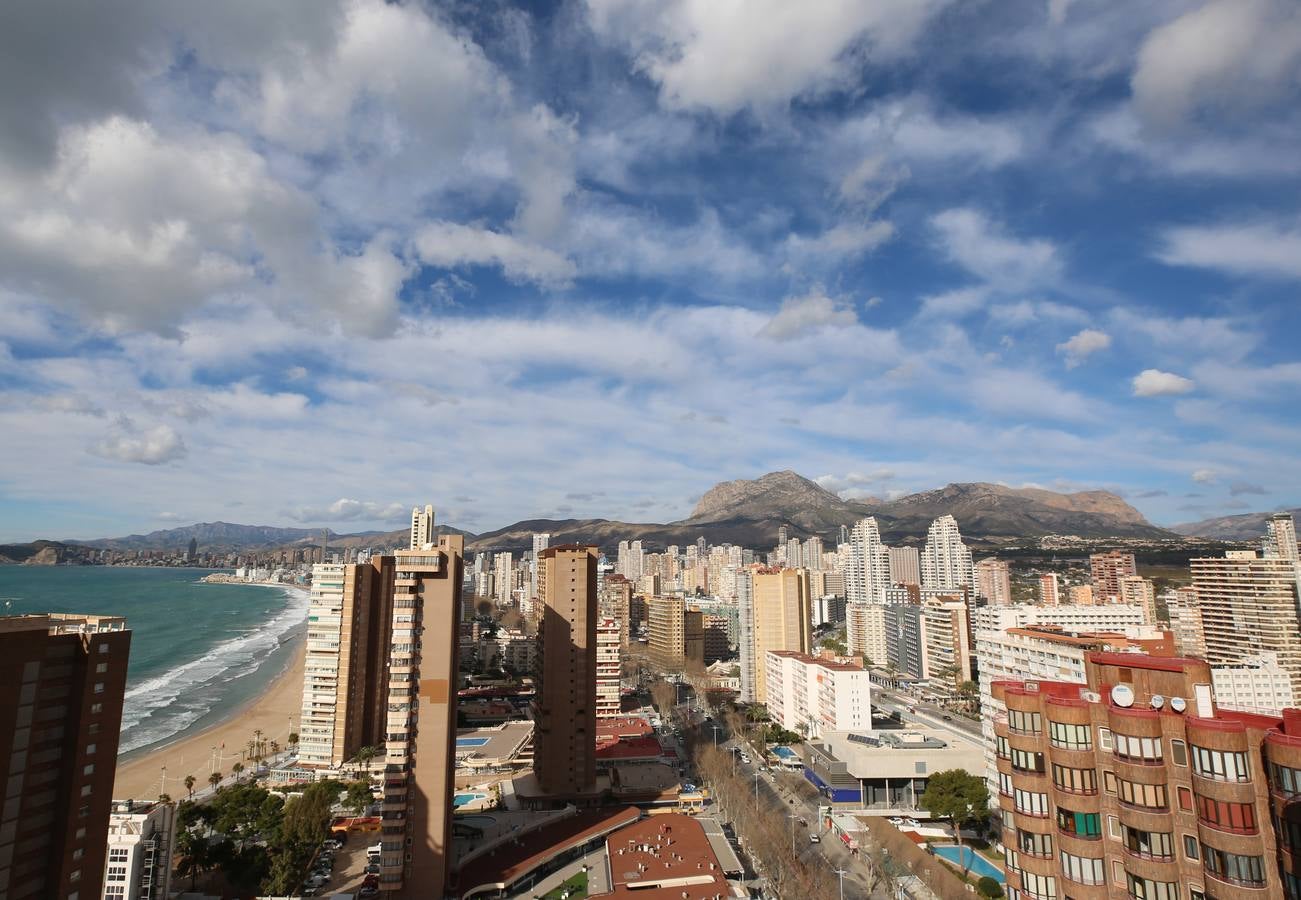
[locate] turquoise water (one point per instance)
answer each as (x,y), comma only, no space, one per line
(198,651)
(462,799)
(975,862)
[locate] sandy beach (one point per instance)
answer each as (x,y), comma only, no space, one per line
(141,777)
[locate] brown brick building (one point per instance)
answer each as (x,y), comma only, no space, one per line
(62,681)
(1136,785)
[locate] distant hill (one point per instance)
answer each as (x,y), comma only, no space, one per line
(747,512)
(1245,527)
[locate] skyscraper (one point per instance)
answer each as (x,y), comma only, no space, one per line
(423,676)
(1280,537)
(344,686)
(422,527)
(1138,591)
(946,561)
(905,565)
(1107,570)
(565,740)
(540,543)
(867,574)
(1249,604)
(609,663)
(745,635)
(1049,589)
(62,682)
(994,581)
(192,550)
(780,602)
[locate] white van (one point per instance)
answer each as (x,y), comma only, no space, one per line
(373,851)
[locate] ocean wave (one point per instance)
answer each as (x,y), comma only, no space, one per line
(166,705)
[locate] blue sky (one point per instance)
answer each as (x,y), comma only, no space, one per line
(315,262)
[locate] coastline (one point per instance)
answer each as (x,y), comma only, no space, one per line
(139,775)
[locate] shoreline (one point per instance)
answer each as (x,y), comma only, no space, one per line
(274,710)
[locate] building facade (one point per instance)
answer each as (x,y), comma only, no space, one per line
(62,683)
(141,839)
(812,696)
(994,581)
(609,667)
(1136,785)
(946,560)
(1249,604)
(565,739)
(1107,570)
(865,632)
(782,618)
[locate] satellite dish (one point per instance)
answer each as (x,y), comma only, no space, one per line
(1157,701)
(1178,704)
(1122,695)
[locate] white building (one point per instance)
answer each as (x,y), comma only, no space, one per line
(609,666)
(994,581)
(138,865)
(321,668)
(422,527)
(946,561)
(867,572)
(1108,617)
(905,565)
(1257,685)
(865,631)
(812,696)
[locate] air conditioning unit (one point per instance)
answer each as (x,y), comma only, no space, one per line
(1090,696)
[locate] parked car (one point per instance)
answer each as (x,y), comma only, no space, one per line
(814,839)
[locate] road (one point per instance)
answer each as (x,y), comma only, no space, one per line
(926,713)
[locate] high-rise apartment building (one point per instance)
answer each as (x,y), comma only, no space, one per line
(745,646)
(141,839)
(62,682)
(930,640)
(420,718)
(1049,589)
(781,617)
(1280,538)
(813,696)
(540,543)
(422,527)
(1249,604)
(1186,622)
(946,561)
(1137,785)
(609,666)
(1107,569)
(1081,595)
(994,581)
(867,572)
(905,565)
(1136,590)
(344,683)
(865,632)
(677,639)
(565,740)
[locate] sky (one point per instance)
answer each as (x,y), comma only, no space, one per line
(313,262)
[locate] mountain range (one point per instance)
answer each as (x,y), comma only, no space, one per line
(747,512)
(1244,527)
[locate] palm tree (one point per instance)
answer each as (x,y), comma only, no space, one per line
(293,739)
(275,747)
(189,785)
(237,769)
(257,734)
(214,779)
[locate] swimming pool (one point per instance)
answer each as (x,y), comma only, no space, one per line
(471,741)
(785,754)
(975,862)
(462,799)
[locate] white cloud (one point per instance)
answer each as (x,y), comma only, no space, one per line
(447,244)
(1204,476)
(953,304)
(1249,382)
(841,243)
(1024,393)
(724,56)
(1155,383)
(149,446)
(1265,249)
(1083,345)
(346,510)
(812,312)
(1221,337)
(1224,59)
(980,245)
(77,404)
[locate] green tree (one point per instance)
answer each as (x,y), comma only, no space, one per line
(989,887)
(358,796)
(189,786)
(195,856)
(961,798)
(293,739)
(214,779)
(237,770)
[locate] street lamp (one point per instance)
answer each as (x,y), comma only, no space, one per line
(793,817)
(841,873)
(715,727)
(756,787)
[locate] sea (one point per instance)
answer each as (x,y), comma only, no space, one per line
(198,651)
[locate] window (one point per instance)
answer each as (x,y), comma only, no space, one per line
(1077,781)
(1239,817)
(1285,780)
(1149,844)
(1141,749)
(88,769)
(1179,752)
(1024,722)
(1029,842)
(1002,749)
(85,790)
(1147,889)
(90,749)
(101,668)
(1245,870)
(117,854)
(96,708)
(1135,793)
(1109,781)
(103,647)
(1289,834)
(1070,737)
(99,687)
(1030,802)
(1038,885)
(1027,761)
(1083,825)
(1104,738)
(1222,765)
(116,873)
(1190,847)
(1005,784)
(1115,829)
(1082,869)
(1185,799)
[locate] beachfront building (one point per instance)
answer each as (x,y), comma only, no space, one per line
(609,666)
(810,696)
(62,683)
(343,672)
(1136,784)
(419,763)
(141,838)
(565,737)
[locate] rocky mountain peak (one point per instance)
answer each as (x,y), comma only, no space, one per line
(774,491)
